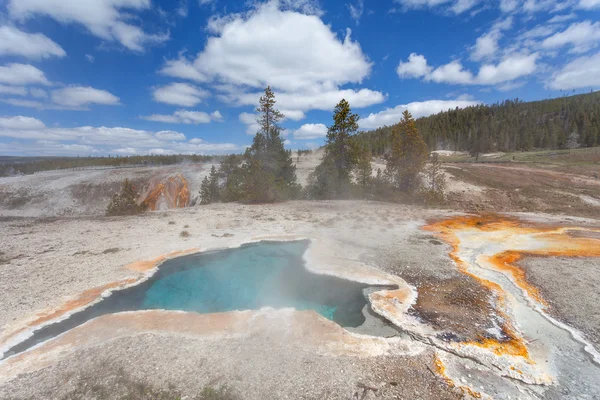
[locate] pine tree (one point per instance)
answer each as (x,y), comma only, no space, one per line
(205,196)
(125,202)
(364,171)
(209,189)
(332,178)
(213,185)
(408,156)
(436,181)
(267,158)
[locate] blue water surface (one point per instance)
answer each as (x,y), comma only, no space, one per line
(265,274)
(251,277)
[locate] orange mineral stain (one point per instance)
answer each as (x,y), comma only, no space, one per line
(86,298)
(508,232)
(440,369)
(167,194)
(147,265)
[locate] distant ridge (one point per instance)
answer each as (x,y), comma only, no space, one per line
(512,125)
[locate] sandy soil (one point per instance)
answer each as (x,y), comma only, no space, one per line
(484,187)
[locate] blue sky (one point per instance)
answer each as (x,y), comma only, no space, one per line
(96,77)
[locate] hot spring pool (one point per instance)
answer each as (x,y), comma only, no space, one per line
(264,274)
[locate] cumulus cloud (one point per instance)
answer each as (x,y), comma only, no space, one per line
(22,74)
(310,131)
(263,47)
(581,36)
(170,135)
(186,117)
(15,42)
(580,73)
(486,46)
(82,96)
(109,20)
(216,116)
(21,122)
(249,120)
(180,94)
(509,68)
(31,136)
(418,109)
(415,67)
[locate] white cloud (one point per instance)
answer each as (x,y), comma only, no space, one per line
(183,9)
(562,18)
(294,115)
(415,67)
(296,54)
(266,49)
(20,122)
(249,120)
(582,72)
(170,135)
(32,137)
(316,99)
(38,93)
(509,68)
(14,42)
(82,96)
(14,90)
(106,19)
(508,5)
(486,46)
(310,131)
(589,4)
(90,58)
(581,36)
(181,68)
(186,117)
(22,74)
(533,6)
(539,31)
(180,94)
(356,11)
(390,116)
(456,6)
(452,72)
(216,116)
(25,103)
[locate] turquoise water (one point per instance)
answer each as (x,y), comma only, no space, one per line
(251,277)
(265,274)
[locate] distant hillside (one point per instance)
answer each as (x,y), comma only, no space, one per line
(28,165)
(512,125)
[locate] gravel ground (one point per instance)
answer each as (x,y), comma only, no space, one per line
(572,288)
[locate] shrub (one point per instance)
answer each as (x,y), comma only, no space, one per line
(125,202)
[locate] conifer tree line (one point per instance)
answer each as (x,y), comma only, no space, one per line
(511,125)
(266,172)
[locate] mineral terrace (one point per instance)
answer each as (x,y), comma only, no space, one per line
(484,306)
